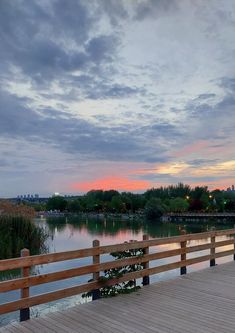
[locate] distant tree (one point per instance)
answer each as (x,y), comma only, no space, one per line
(56,203)
(205,201)
(218,200)
(196,205)
(173,191)
(198,191)
(117,204)
(133,202)
(74,206)
(108,195)
(37,206)
(154,209)
(179,191)
(229,205)
(178,205)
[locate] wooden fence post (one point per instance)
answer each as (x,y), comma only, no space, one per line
(96,275)
(146,264)
(234,243)
(183,270)
(212,252)
(25,313)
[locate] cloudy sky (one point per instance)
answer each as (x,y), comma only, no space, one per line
(116,94)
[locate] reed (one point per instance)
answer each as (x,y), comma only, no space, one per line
(18,232)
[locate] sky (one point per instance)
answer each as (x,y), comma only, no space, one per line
(105,94)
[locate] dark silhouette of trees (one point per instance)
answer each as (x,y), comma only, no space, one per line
(173,198)
(57,203)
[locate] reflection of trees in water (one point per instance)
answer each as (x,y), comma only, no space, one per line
(109,226)
(159,229)
(113,226)
(96,226)
(58,223)
(208,225)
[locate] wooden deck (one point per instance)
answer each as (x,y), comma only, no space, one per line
(202,301)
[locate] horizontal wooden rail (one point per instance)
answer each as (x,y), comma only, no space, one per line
(67,292)
(25,282)
(16,263)
(70,273)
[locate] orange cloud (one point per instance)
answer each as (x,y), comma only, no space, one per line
(117,183)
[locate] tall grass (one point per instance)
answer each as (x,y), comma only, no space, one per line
(18,232)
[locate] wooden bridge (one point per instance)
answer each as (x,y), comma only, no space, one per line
(202,301)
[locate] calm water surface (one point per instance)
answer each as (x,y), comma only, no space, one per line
(66,234)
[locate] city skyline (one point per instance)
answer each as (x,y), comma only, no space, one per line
(123,95)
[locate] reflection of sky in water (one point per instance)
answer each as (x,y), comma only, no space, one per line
(77,234)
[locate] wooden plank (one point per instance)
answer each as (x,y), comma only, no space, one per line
(197,302)
(61,256)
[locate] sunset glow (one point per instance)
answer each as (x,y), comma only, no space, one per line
(117,183)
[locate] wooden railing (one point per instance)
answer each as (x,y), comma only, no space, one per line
(25,262)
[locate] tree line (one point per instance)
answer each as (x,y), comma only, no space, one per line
(154,202)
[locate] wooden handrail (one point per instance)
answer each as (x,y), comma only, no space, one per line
(15,263)
(26,281)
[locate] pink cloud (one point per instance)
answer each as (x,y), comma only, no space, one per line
(107,183)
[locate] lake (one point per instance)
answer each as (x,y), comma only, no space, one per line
(73,233)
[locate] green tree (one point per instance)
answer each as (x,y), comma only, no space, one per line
(154,209)
(74,206)
(178,205)
(116,204)
(56,203)
(198,191)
